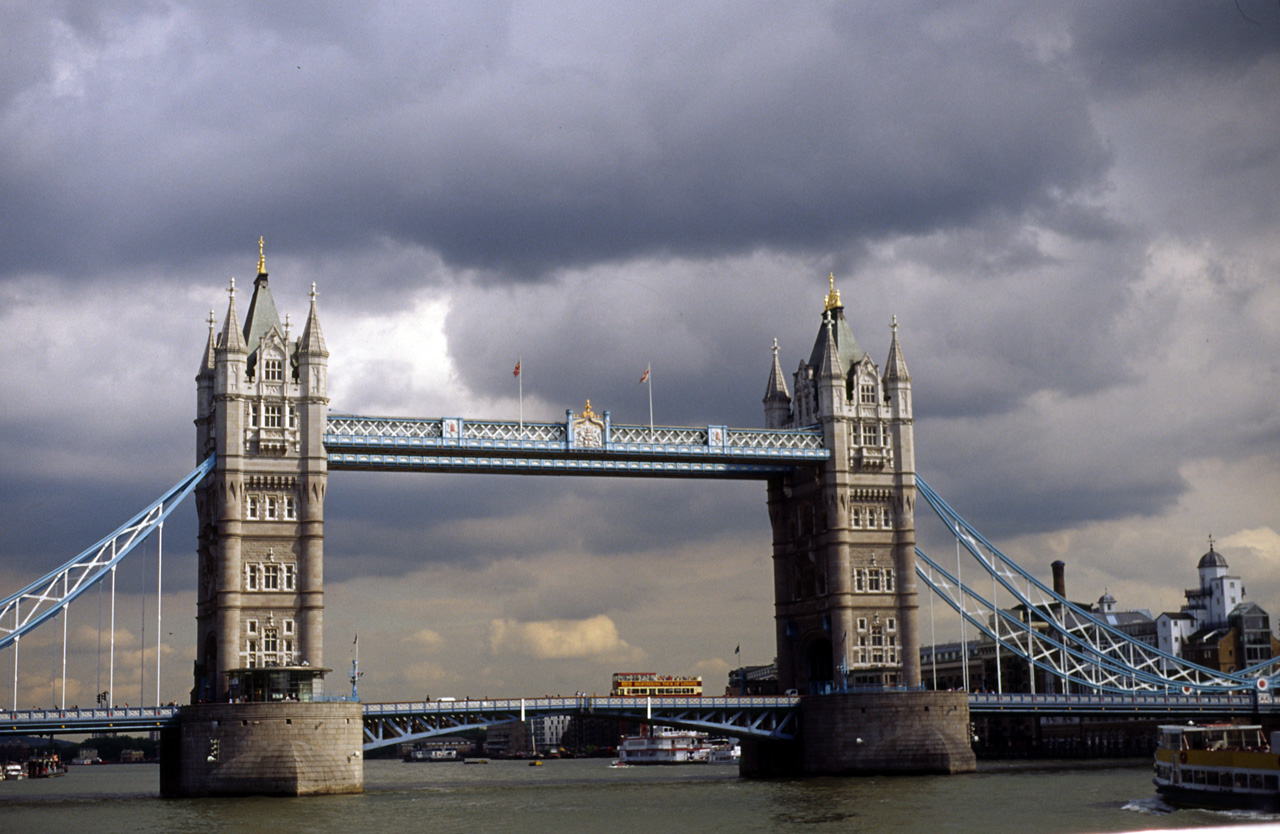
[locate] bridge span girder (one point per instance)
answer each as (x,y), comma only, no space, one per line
(772,719)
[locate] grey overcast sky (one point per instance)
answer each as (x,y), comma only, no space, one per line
(1071,208)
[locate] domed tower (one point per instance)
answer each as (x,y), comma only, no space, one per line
(262,405)
(1211,566)
(844,531)
(1218,592)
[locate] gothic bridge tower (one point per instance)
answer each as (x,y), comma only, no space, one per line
(844,532)
(255,724)
(261,406)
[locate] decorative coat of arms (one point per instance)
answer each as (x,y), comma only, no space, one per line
(588,428)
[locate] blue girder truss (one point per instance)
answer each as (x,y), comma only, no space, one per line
(1056,635)
(451,444)
(78,720)
(43,599)
(765,718)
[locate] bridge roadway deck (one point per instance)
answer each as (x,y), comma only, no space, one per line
(751,717)
(393,723)
(747,717)
(451,444)
(1153,704)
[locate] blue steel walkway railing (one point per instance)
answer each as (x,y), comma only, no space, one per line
(763,718)
(75,720)
(582,445)
(394,723)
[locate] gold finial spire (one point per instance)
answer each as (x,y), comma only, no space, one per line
(262,258)
(833,297)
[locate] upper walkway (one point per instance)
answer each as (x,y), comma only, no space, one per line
(584,444)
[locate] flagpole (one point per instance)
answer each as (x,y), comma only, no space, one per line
(520,382)
(649,374)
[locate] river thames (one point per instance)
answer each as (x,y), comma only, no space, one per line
(586,794)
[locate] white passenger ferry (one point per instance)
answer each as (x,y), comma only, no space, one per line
(1218,765)
(664,747)
(725,752)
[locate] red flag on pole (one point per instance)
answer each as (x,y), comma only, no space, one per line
(644,377)
(516,372)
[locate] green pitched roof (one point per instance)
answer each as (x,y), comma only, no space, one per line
(847,350)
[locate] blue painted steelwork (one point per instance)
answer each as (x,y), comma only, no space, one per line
(44,598)
(451,444)
(747,717)
(1068,657)
(754,717)
(1075,645)
(73,721)
(1222,703)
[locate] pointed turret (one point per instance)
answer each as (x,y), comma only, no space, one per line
(210,359)
(312,341)
(831,375)
(777,400)
(262,316)
(206,443)
(895,367)
(840,334)
(897,380)
(232,339)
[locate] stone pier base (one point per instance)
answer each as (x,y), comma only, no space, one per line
(871,733)
(273,749)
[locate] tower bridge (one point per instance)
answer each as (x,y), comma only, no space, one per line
(837,456)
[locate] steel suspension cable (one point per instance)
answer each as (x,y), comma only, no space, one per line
(1192,674)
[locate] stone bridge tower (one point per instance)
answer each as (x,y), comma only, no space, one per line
(844,531)
(261,406)
(255,725)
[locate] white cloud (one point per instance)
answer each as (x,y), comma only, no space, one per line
(594,637)
(1264,542)
(424,638)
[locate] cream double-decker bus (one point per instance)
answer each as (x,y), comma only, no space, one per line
(645,684)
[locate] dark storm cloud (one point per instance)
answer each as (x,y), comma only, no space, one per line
(1127,46)
(1066,206)
(387,525)
(504,145)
